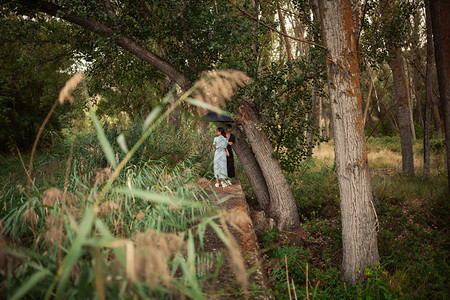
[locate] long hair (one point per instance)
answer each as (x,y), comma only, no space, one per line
(222,131)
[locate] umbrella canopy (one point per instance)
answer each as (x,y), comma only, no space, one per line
(215,117)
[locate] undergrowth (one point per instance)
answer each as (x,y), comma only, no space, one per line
(413,239)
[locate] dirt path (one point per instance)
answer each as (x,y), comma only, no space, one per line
(226,285)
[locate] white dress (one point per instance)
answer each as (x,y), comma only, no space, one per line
(220,157)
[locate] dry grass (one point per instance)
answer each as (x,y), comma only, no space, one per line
(102,175)
(54,233)
(324,153)
(54,196)
(108,207)
(386,169)
(385,158)
(31,217)
(152,251)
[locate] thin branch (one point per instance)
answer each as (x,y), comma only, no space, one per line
(273,29)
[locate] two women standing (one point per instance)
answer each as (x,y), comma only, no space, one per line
(222,156)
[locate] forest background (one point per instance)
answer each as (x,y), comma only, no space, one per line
(86,201)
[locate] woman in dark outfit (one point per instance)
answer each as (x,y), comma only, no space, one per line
(230,158)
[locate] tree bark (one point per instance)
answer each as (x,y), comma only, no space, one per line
(429,93)
(440,20)
(358,215)
(282,203)
(403,113)
(252,170)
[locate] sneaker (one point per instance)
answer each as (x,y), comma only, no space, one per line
(224,184)
(229,182)
(217,185)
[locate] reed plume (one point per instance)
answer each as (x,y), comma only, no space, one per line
(71,84)
(216,86)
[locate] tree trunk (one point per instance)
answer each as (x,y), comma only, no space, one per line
(440,19)
(358,218)
(437,118)
(429,93)
(416,87)
(410,105)
(283,30)
(282,203)
(403,117)
(433,104)
(319,119)
(252,170)
(312,116)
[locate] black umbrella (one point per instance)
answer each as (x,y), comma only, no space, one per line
(215,117)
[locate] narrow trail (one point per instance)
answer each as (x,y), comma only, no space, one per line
(240,224)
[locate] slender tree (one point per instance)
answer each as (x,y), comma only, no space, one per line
(403,114)
(440,19)
(358,215)
(429,93)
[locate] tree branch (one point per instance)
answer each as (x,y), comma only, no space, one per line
(273,29)
(121,40)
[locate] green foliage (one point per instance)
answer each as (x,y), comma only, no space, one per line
(391,143)
(316,190)
(437,146)
(386,26)
(283,96)
(34,58)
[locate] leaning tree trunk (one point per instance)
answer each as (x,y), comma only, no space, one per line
(440,19)
(429,93)
(252,170)
(358,215)
(403,117)
(282,203)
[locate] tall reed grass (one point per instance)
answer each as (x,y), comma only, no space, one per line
(123,219)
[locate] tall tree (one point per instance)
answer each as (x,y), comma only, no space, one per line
(385,34)
(429,93)
(440,19)
(359,239)
(391,18)
(403,111)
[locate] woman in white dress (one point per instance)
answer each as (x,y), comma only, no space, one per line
(220,157)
